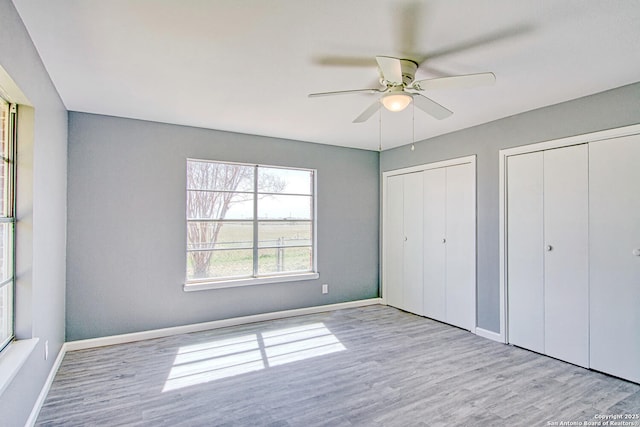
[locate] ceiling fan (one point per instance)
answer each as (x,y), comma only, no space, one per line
(399,88)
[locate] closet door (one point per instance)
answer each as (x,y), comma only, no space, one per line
(394,241)
(566,257)
(524,251)
(460,246)
(413,247)
(434,243)
(429,243)
(614,250)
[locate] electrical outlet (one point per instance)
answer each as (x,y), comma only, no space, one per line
(46,350)
(325,289)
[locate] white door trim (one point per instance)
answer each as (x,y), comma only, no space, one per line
(434,165)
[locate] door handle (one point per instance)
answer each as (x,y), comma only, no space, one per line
(549,248)
(636,252)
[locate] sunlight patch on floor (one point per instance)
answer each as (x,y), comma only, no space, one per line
(228,357)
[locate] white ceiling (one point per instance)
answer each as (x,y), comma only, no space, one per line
(247,65)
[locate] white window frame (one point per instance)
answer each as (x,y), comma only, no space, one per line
(222,283)
(10,190)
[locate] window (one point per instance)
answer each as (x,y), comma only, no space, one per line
(248,221)
(7,221)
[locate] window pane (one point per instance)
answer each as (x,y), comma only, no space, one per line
(6,313)
(217,264)
(219,176)
(6,228)
(286,233)
(4,126)
(5,149)
(6,251)
(219,205)
(284,260)
(277,180)
(4,188)
(284,207)
(219,235)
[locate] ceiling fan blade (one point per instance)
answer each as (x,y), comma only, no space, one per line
(407,24)
(344,92)
(430,107)
(366,114)
(479,41)
(391,69)
(465,81)
(345,61)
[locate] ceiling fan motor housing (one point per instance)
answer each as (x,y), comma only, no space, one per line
(409,68)
(407,71)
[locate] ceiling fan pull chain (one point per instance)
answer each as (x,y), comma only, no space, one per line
(413,124)
(380,130)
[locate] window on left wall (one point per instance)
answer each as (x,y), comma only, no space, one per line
(7,220)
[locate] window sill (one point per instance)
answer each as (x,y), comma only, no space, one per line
(202,286)
(12,359)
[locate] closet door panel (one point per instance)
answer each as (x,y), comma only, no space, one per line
(394,241)
(434,245)
(524,253)
(413,247)
(614,250)
(566,257)
(460,246)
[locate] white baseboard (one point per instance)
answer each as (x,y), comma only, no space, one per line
(197,327)
(489,335)
(45,388)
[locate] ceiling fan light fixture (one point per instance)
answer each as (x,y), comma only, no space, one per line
(396,101)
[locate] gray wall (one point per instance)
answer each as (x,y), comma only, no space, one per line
(611,109)
(41,215)
(126,225)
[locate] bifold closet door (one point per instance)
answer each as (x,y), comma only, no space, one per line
(460,246)
(547,226)
(413,247)
(435,190)
(566,254)
(394,241)
(429,243)
(614,250)
(525,257)
(403,242)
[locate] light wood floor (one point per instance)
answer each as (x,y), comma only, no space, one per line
(370,366)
